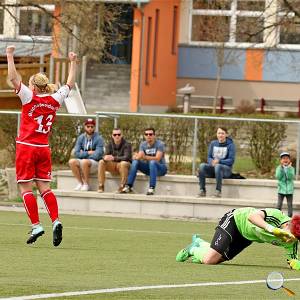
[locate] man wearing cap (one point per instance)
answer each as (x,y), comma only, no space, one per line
(88,152)
(285,174)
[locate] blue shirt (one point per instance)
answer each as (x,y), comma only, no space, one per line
(152,150)
(224,152)
(85,144)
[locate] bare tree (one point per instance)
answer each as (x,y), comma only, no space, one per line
(89,25)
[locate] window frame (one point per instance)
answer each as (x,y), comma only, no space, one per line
(48,7)
(233,14)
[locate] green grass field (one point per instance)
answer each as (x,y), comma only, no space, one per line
(104,253)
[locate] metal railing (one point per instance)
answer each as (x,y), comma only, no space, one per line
(196,119)
(116,115)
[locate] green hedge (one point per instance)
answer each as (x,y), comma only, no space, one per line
(260,141)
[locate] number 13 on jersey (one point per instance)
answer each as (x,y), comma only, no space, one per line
(44,128)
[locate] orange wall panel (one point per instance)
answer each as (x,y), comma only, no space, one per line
(136,58)
(56,32)
(254,64)
(157,84)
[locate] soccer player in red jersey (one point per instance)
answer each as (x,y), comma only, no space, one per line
(33,155)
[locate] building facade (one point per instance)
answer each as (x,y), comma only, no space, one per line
(253,45)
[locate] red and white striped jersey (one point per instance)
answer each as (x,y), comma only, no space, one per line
(38,114)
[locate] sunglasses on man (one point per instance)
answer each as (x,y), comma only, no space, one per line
(116,134)
(148,133)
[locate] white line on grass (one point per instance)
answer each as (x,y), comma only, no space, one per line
(106,229)
(137,288)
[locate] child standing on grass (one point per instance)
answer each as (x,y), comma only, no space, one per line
(285,174)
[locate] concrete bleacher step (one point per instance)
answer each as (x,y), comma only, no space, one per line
(187,185)
(176,197)
(140,205)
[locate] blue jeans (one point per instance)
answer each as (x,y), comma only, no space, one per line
(151,167)
(218,171)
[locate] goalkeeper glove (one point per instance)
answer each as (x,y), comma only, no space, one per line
(284,235)
(294,264)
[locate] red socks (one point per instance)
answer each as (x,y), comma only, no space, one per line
(51,204)
(31,207)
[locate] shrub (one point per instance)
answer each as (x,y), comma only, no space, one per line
(246,107)
(8,134)
(62,139)
(264,141)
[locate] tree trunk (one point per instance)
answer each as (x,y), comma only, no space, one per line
(217,89)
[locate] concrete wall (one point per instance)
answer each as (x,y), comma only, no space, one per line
(187,186)
(257,73)
(244,90)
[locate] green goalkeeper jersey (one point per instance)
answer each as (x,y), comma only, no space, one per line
(256,234)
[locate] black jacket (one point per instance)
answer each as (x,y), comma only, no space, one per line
(122,152)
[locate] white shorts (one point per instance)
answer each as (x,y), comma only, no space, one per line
(94,165)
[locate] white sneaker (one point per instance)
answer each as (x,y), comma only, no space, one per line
(85,187)
(78,187)
(150,191)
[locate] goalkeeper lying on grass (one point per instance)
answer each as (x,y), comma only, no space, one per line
(239,228)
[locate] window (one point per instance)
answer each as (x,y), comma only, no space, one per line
(243,22)
(35,22)
(290,31)
(211,4)
(1,20)
(210,28)
(249,30)
(156,26)
(251,5)
(174,30)
(149,33)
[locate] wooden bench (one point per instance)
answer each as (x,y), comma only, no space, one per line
(277,105)
(224,103)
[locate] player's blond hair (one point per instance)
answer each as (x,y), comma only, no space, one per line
(41,82)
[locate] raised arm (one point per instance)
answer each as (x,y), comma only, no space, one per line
(12,72)
(72,71)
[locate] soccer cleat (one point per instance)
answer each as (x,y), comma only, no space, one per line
(184,254)
(196,240)
(57,233)
(35,233)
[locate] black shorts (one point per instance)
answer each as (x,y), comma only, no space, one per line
(227,239)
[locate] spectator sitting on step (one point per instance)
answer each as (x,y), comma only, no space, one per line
(149,160)
(220,159)
(88,152)
(116,160)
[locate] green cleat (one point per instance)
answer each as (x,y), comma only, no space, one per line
(196,240)
(184,254)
